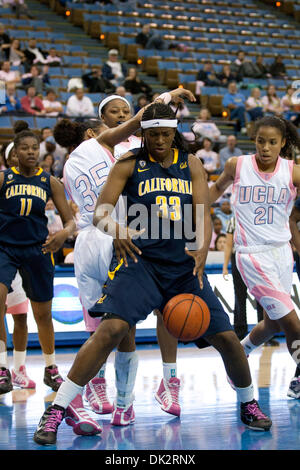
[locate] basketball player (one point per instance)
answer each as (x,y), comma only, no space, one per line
(264,187)
(145,274)
(25,245)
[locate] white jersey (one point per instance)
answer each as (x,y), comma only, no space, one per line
(85,173)
(262,204)
(124,147)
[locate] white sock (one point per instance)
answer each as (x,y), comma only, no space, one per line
(245,394)
(49,359)
(247,345)
(169,370)
(101,373)
(66,393)
(3,359)
(126,364)
(19,358)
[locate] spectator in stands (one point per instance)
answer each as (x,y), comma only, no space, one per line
(208,156)
(149,40)
(48,163)
(217,230)
(4,41)
(208,76)
(236,66)
(47,147)
(231,150)
(271,102)
(235,102)
(260,69)
(34,54)
(19,7)
(52,106)
(205,127)
(8,75)
(13,52)
(112,69)
(290,106)
(36,78)
(12,104)
(54,221)
(58,154)
(134,85)
(224,213)
(220,242)
(254,105)
(277,68)
(226,76)
(31,104)
(141,102)
(96,83)
(79,105)
(52,59)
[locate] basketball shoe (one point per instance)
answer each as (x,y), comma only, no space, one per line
(95,394)
(79,419)
(253,417)
(52,378)
(122,416)
(21,379)
(46,431)
(294,388)
(167,395)
(5,381)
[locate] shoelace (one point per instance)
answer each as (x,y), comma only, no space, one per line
(3,376)
(99,393)
(53,420)
(254,410)
(173,390)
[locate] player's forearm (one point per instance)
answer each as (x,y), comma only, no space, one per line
(104,222)
(295,234)
(214,193)
(69,228)
(114,136)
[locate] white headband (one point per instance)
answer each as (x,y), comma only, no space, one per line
(159,123)
(8,150)
(110,98)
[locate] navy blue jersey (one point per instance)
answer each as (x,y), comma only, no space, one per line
(166,194)
(22,207)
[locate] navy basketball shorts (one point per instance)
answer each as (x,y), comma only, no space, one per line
(36,270)
(132,293)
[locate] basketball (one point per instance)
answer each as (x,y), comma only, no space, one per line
(186,316)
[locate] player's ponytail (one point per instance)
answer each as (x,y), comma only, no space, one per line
(288,131)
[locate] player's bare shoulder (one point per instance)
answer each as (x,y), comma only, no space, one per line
(196,166)
(125,164)
(230,166)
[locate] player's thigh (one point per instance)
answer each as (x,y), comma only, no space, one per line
(37,272)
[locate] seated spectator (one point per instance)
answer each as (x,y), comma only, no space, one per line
(226,76)
(34,54)
(79,105)
(36,78)
(52,59)
(235,102)
(271,102)
(217,230)
(260,69)
(45,132)
(180,109)
(13,53)
(31,104)
(4,41)
(231,150)
(141,102)
(58,154)
(208,156)
(205,127)
(12,103)
(7,75)
(51,105)
(112,69)
(290,106)
(133,84)
(235,66)
(220,242)
(48,163)
(208,76)
(149,40)
(54,221)
(224,213)
(96,83)
(254,105)
(19,7)
(277,68)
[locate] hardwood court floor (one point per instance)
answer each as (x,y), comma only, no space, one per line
(210,413)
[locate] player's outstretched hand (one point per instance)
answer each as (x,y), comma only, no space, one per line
(54,242)
(124,246)
(199,258)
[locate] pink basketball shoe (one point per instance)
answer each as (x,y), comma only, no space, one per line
(21,379)
(122,416)
(79,419)
(95,394)
(167,395)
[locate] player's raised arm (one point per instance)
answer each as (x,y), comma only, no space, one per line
(225,179)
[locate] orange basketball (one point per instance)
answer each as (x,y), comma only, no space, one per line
(186,317)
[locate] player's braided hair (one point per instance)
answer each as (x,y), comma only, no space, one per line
(288,131)
(70,134)
(22,135)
